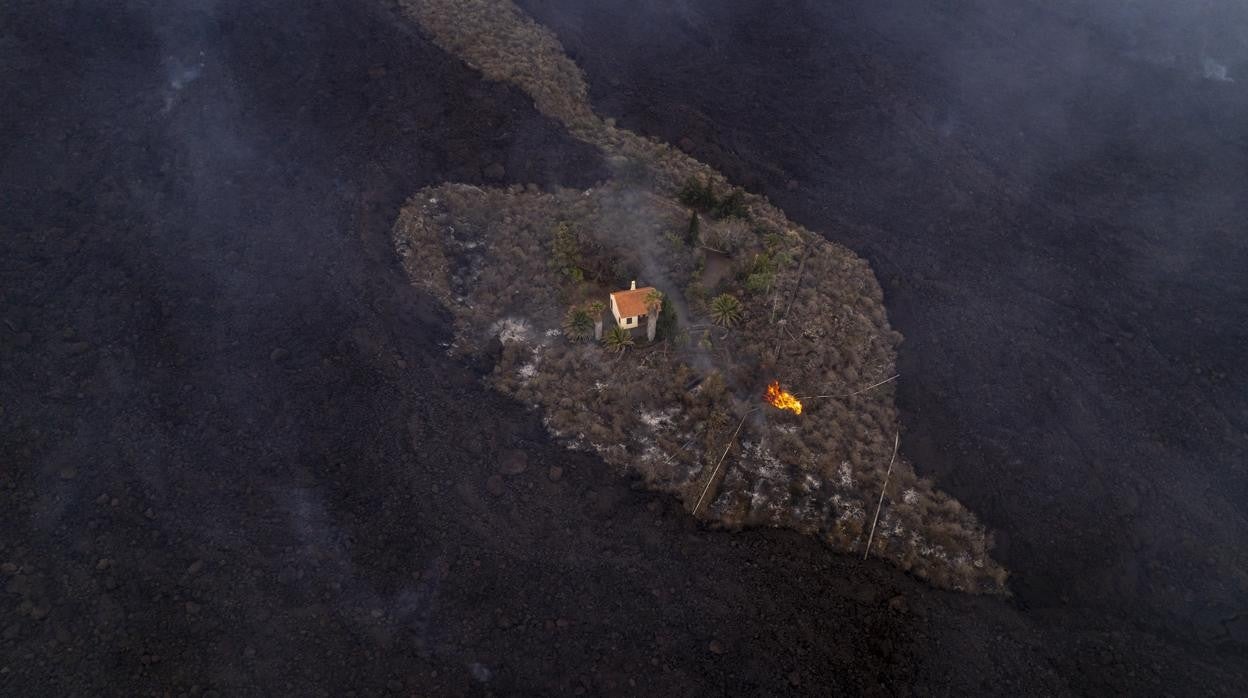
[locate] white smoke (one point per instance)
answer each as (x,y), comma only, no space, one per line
(1214,70)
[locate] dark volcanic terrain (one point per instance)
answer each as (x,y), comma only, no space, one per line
(1053,196)
(235,458)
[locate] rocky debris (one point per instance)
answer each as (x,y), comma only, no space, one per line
(1237,628)
(862,593)
(195,568)
(795,678)
(899,604)
(555,473)
(717,647)
(279,355)
(109,612)
(19,584)
(495,486)
(494,172)
(513,462)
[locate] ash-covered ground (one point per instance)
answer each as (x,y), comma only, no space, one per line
(236,458)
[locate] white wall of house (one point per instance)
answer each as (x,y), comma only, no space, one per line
(615,311)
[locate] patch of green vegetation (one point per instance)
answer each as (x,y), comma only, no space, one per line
(726,310)
(565,252)
(617,340)
(700,195)
(669,324)
(578,324)
(761,273)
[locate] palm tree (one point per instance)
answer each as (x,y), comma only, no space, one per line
(577,324)
(596,309)
(654,302)
(725,310)
(618,339)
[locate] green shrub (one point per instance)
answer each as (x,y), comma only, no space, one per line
(732,206)
(617,339)
(698,195)
(694,232)
(578,324)
(565,252)
(725,310)
(759,282)
(668,324)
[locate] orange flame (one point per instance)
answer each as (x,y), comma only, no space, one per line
(782,399)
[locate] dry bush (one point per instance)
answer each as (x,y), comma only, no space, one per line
(730,235)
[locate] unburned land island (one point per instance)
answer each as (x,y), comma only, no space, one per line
(729,302)
(730,297)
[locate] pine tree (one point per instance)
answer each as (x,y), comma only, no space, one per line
(565,253)
(667,322)
(694,233)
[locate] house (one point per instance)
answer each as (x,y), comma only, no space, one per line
(630,308)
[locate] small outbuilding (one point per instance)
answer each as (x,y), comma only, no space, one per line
(634,305)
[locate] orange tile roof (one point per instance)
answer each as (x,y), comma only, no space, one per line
(632,303)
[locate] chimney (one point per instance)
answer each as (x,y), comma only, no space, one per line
(633,286)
